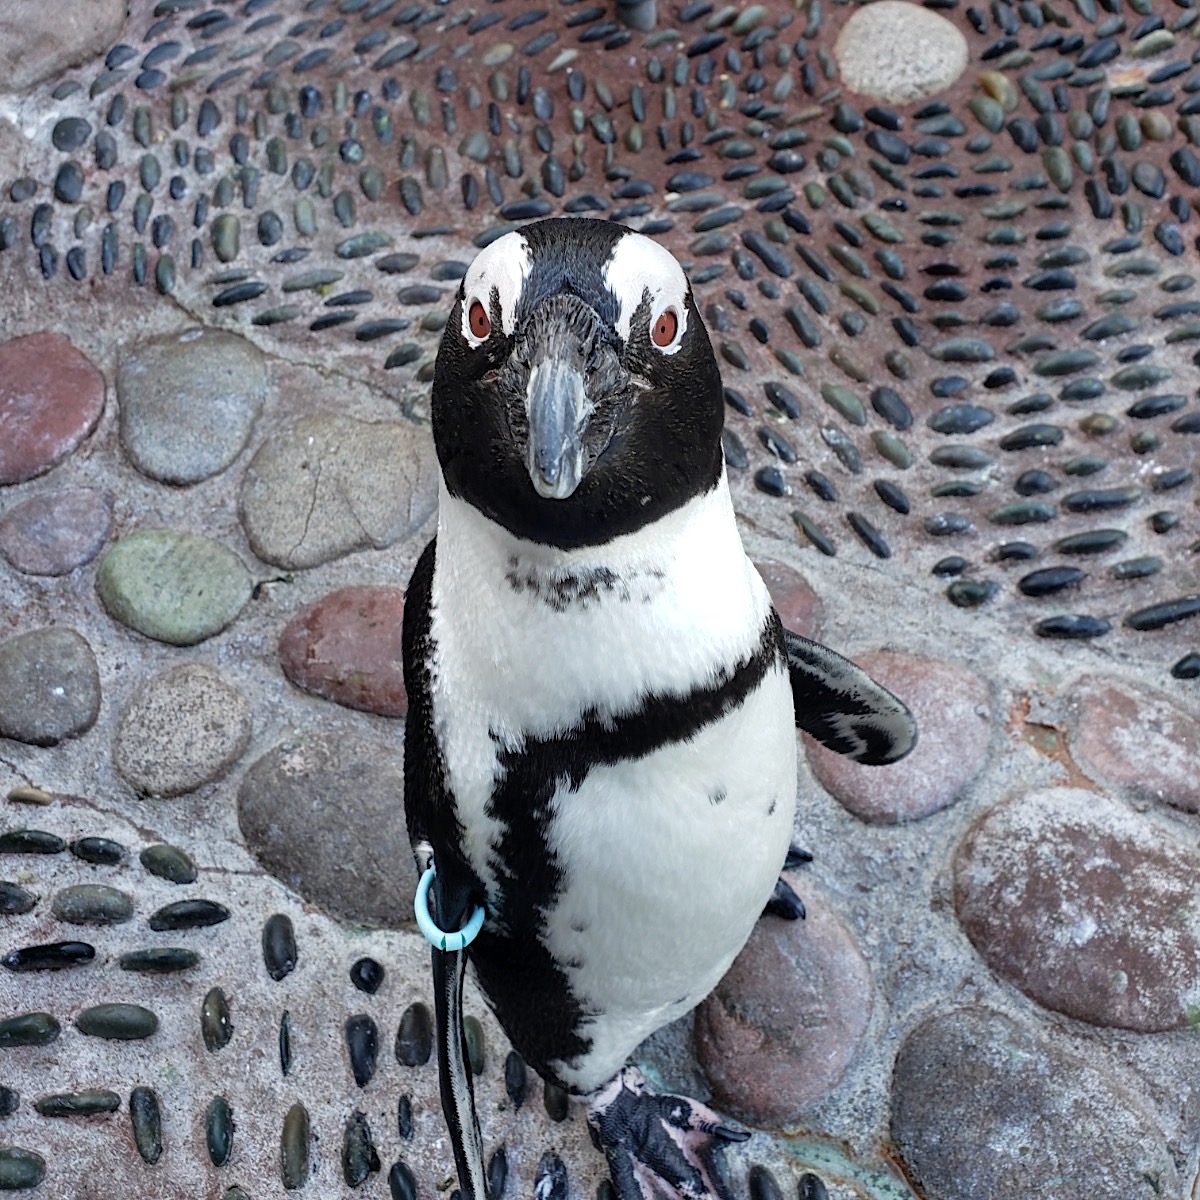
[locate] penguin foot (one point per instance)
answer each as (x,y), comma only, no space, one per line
(784,903)
(660,1147)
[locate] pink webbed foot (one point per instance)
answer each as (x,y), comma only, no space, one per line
(660,1147)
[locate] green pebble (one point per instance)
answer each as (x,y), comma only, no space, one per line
(843,401)
(92,904)
(216,1026)
(226,237)
(29,1029)
(1065,362)
(880,227)
(892,448)
(987,112)
(1153,43)
(294,1147)
(1058,166)
(117,1022)
(164,274)
(177,588)
(86,1103)
(169,862)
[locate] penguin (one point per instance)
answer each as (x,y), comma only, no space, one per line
(600,750)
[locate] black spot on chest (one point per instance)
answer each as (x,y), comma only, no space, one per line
(585,588)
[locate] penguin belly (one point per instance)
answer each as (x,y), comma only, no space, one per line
(667,863)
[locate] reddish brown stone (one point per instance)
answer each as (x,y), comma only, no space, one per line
(780,1029)
(798,606)
(51,397)
(953,715)
(1137,739)
(1085,906)
(346,648)
(57,532)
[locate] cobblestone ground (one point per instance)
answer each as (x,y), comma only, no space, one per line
(949,258)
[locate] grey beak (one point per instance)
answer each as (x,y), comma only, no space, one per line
(558,408)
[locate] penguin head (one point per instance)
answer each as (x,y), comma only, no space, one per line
(576,396)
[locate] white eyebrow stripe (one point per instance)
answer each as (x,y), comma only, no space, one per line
(504,265)
(639,264)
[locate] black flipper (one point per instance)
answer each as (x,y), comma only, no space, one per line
(843,707)
(660,1147)
(429,811)
(454,1071)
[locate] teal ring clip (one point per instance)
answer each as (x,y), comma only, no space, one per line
(440,939)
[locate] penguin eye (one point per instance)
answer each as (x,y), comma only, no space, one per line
(478,320)
(664,329)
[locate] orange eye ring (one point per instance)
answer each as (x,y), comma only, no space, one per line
(478,320)
(665,327)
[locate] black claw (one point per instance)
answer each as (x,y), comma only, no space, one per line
(785,903)
(797,856)
(727,1133)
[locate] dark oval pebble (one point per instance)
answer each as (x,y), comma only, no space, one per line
(50,956)
(404,1117)
(251,289)
(146,1120)
(188,914)
(869,535)
(218,1131)
(367,975)
(1095,541)
(98,850)
(892,496)
(68,183)
(10,1101)
(159,960)
(782,398)
(960,458)
(86,1103)
(20,1168)
(31,841)
(117,1022)
(285,1042)
(1156,406)
(514,1078)
(497,1173)
(971,593)
(1048,580)
(1156,616)
(279,946)
(216,1026)
(14,899)
(1100,499)
(168,862)
(1072,626)
(1137,568)
(29,1029)
(770,480)
(953,564)
(473,1036)
(359,1157)
(763,1184)
(362,1043)
(888,404)
(1188,667)
(402,1185)
(555,1101)
(70,133)
(946,524)
(960,419)
(1030,436)
(294,1147)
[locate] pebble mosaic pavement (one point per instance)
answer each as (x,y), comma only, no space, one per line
(958,322)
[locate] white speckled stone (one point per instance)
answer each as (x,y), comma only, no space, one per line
(184,729)
(899,52)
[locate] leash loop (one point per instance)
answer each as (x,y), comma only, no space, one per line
(441,939)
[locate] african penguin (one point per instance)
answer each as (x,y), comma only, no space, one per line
(600,749)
